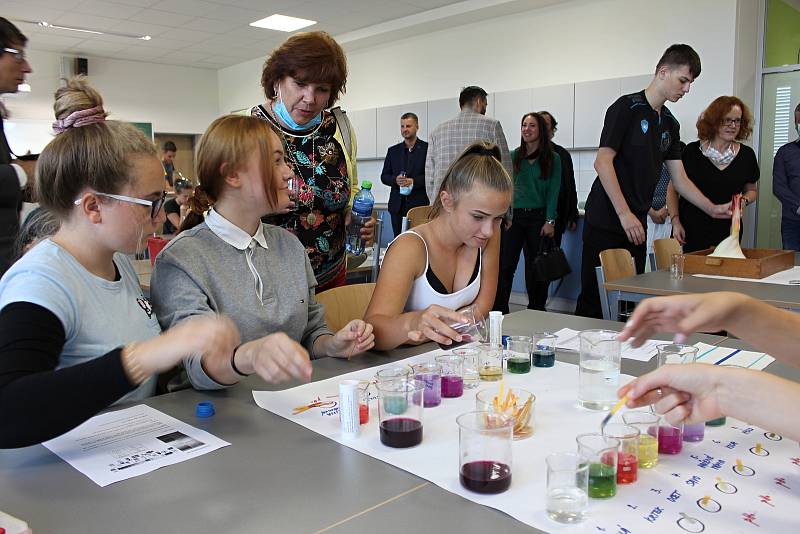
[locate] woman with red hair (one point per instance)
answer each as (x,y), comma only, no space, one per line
(720,166)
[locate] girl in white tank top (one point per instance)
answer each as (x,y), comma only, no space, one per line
(451,262)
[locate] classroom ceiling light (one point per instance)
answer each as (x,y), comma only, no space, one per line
(24,88)
(45,24)
(282,23)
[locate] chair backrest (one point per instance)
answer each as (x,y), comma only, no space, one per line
(418,215)
(617,263)
(345,303)
(664,249)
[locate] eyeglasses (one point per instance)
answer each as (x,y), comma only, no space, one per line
(155,205)
(19,55)
(732,122)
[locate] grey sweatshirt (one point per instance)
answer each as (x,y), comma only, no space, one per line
(200,273)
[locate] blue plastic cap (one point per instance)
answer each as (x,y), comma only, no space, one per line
(204,409)
(505,341)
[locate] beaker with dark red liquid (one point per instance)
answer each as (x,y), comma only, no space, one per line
(400,406)
(484,447)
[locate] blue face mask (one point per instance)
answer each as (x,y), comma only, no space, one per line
(280,110)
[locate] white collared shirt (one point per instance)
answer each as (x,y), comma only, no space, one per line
(239,239)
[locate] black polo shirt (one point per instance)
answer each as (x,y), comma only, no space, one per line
(642,139)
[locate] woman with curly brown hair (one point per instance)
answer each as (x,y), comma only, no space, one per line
(302,80)
(720,166)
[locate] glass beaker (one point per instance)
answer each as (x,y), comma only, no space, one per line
(472,328)
(544,349)
(567,487)
(517,403)
(452,374)
(484,451)
(430,374)
(628,456)
(471,364)
(393,373)
(600,452)
(400,412)
(518,354)
(491,366)
(598,375)
(675,353)
(647,423)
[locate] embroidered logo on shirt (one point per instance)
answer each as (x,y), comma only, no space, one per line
(645,126)
(146,306)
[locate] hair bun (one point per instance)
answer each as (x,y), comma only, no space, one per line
(76,95)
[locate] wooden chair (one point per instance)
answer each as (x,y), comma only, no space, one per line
(615,264)
(664,249)
(418,215)
(345,303)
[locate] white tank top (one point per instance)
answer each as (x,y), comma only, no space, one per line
(423,295)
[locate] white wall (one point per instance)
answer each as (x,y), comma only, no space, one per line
(174,99)
(572,42)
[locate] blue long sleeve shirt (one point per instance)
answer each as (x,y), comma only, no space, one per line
(786,179)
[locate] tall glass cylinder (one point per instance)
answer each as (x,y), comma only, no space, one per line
(598,378)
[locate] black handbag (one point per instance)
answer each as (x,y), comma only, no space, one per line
(550,263)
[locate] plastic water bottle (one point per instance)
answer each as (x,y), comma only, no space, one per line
(362,212)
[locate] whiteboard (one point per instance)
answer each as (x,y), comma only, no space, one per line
(28,135)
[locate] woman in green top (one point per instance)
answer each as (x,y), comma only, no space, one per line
(537,180)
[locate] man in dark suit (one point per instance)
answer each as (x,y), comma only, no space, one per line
(14,173)
(404,172)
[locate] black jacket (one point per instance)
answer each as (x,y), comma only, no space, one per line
(394,164)
(567,195)
(10,203)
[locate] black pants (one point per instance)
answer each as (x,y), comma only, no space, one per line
(525,231)
(397,223)
(596,240)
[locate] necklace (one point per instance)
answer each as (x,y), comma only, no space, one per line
(296,164)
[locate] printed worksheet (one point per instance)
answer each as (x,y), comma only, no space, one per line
(130,442)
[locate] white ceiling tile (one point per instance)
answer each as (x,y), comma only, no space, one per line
(61,5)
(92,47)
(224,60)
(140,28)
(16,11)
(195,7)
(88,22)
(314,11)
(106,9)
(189,36)
(264,5)
(211,25)
(163,18)
(52,40)
(237,14)
(140,3)
(186,56)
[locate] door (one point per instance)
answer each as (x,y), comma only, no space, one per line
(780,96)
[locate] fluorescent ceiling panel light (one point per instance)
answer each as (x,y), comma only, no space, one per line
(24,88)
(282,23)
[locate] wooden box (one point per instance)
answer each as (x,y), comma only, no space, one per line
(759,263)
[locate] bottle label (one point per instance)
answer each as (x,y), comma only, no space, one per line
(362,208)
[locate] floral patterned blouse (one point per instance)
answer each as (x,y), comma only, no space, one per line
(319,164)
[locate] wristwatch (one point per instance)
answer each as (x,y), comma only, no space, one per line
(551,222)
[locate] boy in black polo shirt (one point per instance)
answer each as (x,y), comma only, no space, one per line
(639,134)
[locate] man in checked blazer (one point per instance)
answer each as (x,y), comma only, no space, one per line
(452,136)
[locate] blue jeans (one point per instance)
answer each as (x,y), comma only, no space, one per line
(790,234)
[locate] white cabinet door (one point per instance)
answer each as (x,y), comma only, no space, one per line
(364,124)
(509,107)
(559,100)
(634,84)
(592,99)
(389,124)
(440,111)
